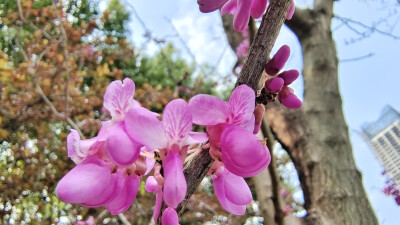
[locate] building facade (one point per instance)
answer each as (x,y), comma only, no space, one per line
(383,136)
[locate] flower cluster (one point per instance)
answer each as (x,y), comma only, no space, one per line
(277,82)
(240,9)
(391,189)
(110,165)
(237,151)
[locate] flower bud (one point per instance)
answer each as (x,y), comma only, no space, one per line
(289,76)
(275,84)
(288,99)
(278,61)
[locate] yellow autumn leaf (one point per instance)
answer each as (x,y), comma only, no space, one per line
(100,71)
(3,134)
(106,68)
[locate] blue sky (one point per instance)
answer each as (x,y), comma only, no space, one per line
(366,85)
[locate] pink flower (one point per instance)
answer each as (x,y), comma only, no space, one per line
(232,191)
(230,127)
(241,10)
(170,217)
(206,6)
(109,166)
(90,183)
(171,136)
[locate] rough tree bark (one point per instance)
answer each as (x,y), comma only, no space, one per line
(316,136)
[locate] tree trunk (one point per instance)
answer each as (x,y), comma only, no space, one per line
(316,136)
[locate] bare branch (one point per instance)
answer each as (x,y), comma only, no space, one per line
(357,58)
(66,56)
(32,72)
(48,36)
(368,29)
(123,219)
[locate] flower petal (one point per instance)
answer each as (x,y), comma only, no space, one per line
(196,138)
(112,190)
(177,120)
(174,184)
(118,98)
(208,110)
(236,189)
(120,148)
(258,8)
(73,147)
(170,217)
(242,152)
(143,127)
(157,206)
(242,15)
(151,184)
(229,7)
(206,6)
(125,197)
(242,103)
(85,182)
(219,188)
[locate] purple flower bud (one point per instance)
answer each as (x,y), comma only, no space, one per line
(275,84)
(397,199)
(288,99)
(289,76)
(277,62)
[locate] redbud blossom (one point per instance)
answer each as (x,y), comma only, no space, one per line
(240,9)
(170,217)
(172,135)
(206,6)
(232,191)
(243,158)
(226,121)
(109,166)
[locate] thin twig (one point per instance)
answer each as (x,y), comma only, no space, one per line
(346,21)
(66,56)
(32,72)
(48,36)
(182,40)
(123,219)
(357,58)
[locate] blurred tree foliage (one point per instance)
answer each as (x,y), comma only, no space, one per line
(71,52)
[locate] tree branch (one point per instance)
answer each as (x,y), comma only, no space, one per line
(32,72)
(66,56)
(300,22)
(48,36)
